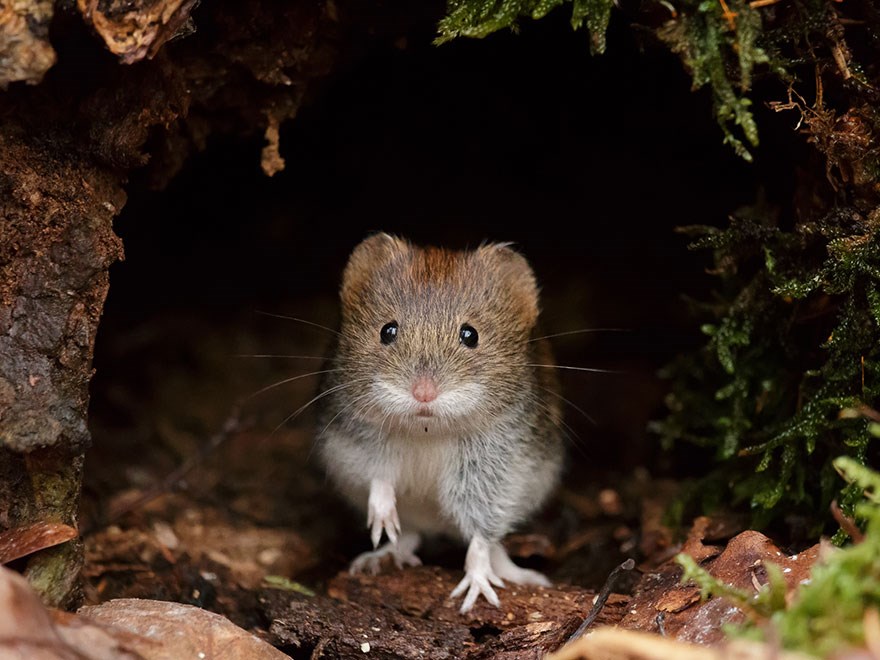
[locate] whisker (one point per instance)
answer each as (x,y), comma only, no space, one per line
(354,401)
(571,403)
(293,357)
(565,366)
(326,392)
(565,428)
(317,437)
(579,332)
(298,320)
(290,380)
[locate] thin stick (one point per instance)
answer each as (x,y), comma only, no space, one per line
(628,565)
(231,426)
(660,620)
(272,355)
(846,523)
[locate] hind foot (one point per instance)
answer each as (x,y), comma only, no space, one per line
(402,553)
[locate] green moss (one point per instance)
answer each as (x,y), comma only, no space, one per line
(480,18)
(719,44)
(794,341)
(770,599)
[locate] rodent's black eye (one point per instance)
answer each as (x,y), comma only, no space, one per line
(468,335)
(388,333)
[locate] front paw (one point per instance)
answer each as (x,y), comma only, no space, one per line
(382,512)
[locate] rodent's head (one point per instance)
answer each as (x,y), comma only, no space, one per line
(434,339)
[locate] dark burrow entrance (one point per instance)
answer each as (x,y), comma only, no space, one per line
(586,163)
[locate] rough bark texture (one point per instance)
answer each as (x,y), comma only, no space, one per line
(67,147)
(55,248)
(408,614)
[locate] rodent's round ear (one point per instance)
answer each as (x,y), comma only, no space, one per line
(514,269)
(366,258)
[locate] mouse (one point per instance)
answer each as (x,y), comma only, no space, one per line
(440,412)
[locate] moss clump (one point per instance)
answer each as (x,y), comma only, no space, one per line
(828,614)
(480,18)
(794,342)
(718,41)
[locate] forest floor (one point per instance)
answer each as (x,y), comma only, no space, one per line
(198,493)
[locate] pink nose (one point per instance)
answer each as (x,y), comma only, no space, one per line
(424,389)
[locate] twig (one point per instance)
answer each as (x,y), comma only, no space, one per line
(660,620)
(846,523)
(729,16)
(628,565)
(171,481)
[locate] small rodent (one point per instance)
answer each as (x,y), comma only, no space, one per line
(440,412)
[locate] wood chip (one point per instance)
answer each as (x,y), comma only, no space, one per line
(23,541)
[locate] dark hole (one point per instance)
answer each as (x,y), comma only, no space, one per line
(485,633)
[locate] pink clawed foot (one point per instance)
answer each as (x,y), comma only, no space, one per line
(402,553)
(382,512)
(479,576)
(487,564)
(504,568)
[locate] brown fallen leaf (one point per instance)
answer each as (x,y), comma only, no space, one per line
(29,632)
(694,545)
(742,563)
(25,620)
(530,545)
(23,541)
(97,642)
(183,631)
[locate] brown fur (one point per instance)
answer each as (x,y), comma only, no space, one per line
(431,292)
(503,430)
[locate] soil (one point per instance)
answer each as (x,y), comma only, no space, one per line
(200,491)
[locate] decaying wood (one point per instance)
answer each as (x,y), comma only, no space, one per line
(134,30)
(348,630)
(57,244)
(25,51)
(409,614)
